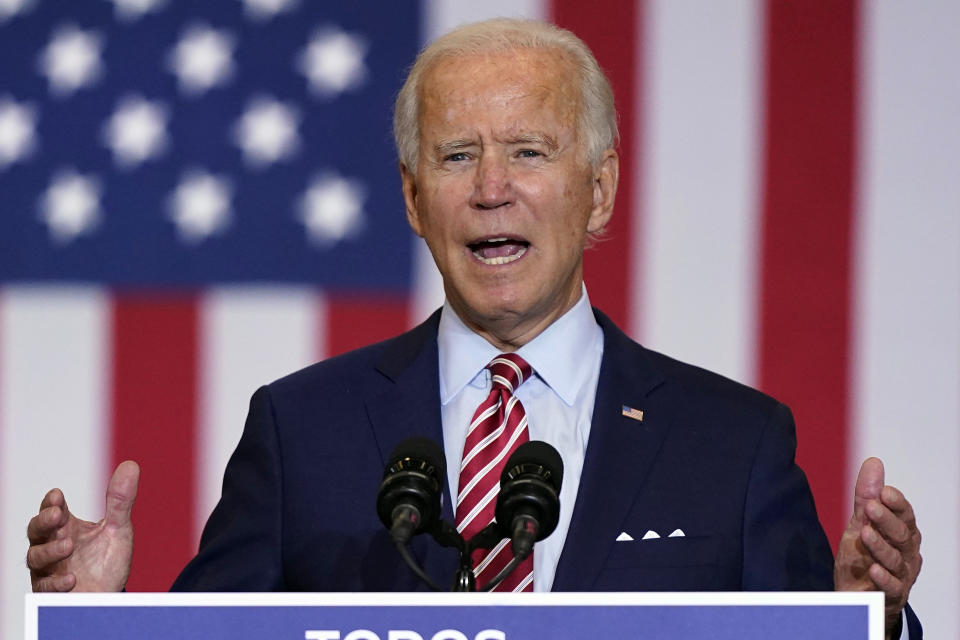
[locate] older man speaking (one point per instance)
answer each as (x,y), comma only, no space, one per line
(676,478)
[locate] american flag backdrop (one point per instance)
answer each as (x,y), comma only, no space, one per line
(198,197)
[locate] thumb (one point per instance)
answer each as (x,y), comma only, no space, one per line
(870,482)
(121,492)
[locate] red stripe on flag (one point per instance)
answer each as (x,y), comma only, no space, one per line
(804,314)
(612,35)
(155,358)
(355,321)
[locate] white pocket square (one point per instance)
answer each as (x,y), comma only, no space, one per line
(651,535)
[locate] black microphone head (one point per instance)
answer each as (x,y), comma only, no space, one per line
(536,457)
(530,488)
(413,483)
(420,450)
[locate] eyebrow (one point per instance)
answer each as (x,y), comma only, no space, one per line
(452,146)
(548,141)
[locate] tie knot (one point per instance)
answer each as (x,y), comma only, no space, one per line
(508,371)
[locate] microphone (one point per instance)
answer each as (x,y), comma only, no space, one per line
(528,506)
(408,501)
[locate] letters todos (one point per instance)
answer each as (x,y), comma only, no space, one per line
(401,634)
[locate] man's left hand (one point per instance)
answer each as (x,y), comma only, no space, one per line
(880,549)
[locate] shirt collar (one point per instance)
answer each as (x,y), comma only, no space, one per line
(553,354)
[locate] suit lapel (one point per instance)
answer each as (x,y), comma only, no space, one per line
(407,406)
(619,454)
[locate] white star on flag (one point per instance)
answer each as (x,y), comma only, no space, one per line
(202,59)
(70,206)
(200,206)
(332,209)
(132,10)
(10,8)
(266,9)
(17,131)
(333,61)
(267,132)
(136,131)
(71,60)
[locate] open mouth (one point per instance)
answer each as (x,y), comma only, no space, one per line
(495,251)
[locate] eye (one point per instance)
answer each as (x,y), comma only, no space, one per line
(456,157)
(528,153)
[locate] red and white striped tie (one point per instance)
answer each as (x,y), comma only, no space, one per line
(499,426)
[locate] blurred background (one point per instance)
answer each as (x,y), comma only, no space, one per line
(197,198)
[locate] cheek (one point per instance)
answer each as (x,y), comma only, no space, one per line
(444,197)
(574,239)
(545,198)
(432,207)
(574,192)
(442,222)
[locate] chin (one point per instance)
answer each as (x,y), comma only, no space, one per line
(494,308)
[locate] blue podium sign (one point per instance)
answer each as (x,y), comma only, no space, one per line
(391,616)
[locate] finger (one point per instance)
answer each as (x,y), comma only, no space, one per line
(889,524)
(885,581)
(883,553)
(45,524)
(868,487)
(55,584)
(894,500)
(41,556)
(121,492)
(54,497)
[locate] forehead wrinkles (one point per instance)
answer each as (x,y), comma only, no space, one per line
(538,84)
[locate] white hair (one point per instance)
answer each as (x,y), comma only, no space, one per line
(597,116)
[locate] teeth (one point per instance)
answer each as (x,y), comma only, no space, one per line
(501,259)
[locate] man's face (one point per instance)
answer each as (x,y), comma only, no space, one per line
(504,194)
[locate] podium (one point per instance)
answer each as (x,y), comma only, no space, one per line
(448,616)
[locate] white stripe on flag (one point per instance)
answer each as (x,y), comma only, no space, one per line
(54,417)
(427,293)
(694,291)
(249,337)
(907,321)
(443,15)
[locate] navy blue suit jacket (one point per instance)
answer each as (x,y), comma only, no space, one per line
(711,457)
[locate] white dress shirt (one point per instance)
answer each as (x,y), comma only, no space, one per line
(558,401)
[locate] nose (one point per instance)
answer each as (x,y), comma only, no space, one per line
(492,187)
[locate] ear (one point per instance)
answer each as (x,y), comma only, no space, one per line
(605,178)
(409,182)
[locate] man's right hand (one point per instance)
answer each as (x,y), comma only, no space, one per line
(69,554)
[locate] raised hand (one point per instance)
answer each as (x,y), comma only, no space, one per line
(69,554)
(880,548)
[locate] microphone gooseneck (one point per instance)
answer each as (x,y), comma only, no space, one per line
(527,508)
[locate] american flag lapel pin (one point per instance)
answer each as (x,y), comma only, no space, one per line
(633,414)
